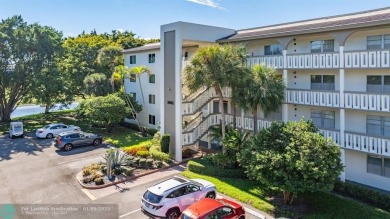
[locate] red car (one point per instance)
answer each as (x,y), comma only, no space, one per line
(214,209)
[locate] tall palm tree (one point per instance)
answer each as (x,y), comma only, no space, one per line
(119,76)
(139,71)
(213,66)
(265,89)
(110,56)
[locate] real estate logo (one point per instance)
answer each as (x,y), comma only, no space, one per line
(7,211)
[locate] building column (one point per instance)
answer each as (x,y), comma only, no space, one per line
(285,106)
(342,110)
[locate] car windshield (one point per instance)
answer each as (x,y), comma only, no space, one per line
(183,216)
(18,128)
(152,198)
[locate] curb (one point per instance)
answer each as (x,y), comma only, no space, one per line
(128,178)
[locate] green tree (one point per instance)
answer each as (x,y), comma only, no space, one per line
(292,157)
(263,88)
(27,57)
(109,57)
(96,84)
(107,111)
(118,76)
(139,71)
(215,66)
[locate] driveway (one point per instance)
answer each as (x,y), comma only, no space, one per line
(35,172)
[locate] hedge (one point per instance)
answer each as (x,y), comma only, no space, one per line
(367,195)
(203,167)
(165,140)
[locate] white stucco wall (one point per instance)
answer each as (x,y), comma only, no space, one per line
(358,40)
(356,170)
(356,79)
(142,58)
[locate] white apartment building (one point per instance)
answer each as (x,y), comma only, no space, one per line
(336,70)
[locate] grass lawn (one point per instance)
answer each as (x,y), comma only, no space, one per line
(120,136)
(321,204)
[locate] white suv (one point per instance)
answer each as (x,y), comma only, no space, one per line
(170,197)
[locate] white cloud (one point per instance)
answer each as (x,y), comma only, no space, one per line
(120,30)
(210,3)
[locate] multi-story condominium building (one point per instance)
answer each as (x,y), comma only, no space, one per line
(336,70)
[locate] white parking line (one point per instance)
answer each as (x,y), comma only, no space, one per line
(89,194)
(124,215)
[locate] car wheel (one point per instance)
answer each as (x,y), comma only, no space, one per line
(97,142)
(173,213)
(68,147)
(22,136)
(242,217)
(12,137)
(50,135)
(210,195)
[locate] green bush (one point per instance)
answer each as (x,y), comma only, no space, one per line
(87,179)
(205,168)
(149,162)
(157,155)
(128,171)
(87,172)
(99,181)
(363,194)
(165,140)
(221,160)
(151,131)
(136,160)
(159,163)
(132,150)
(143,154)
(142,162)
(187,153)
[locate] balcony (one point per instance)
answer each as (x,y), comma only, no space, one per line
(333,134)
(365,143)
(199,101)
(352,59)
(313,60)
(367,101)
(313,97)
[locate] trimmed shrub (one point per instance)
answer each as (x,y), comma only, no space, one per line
(165,140)
(87,179)
(143,154)
(367,195)
(134,149)
(205,168)
(151,131)
(159,163)
(157,155)
(136,160)
(149,162)
(95,175)
(142,162)
(87,171)
(187,153)
(99,181)
(128,171)
(221,160)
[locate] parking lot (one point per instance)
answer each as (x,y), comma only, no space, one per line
(33,171)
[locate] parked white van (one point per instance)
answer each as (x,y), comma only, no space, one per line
(16,129)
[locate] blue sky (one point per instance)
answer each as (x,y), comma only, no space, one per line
(144,17)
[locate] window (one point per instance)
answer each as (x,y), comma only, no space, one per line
(185,56)
(275,49)
(134,95)
(133,59)
(378,125)
(323,118)
(378,42)
(192,188)
(152,58)
(152,78)
(152,99)
(152,119)
(378,83)
(75,135)
(133,78)
(224,211)
(322,82)
(322,46)
(378,165)
(178,192)
(152,198)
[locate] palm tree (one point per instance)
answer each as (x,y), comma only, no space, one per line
(119,76)
(215,66)
(138,71)
(265,89)
(110,56)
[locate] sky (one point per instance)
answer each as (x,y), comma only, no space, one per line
(144,17)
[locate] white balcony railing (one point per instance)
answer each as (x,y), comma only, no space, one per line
(272,61)
(366,143)
(313,60)
(367,59)
(367,101)
(313,97)
(333,134)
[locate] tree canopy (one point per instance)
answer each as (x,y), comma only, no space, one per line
(292,157)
